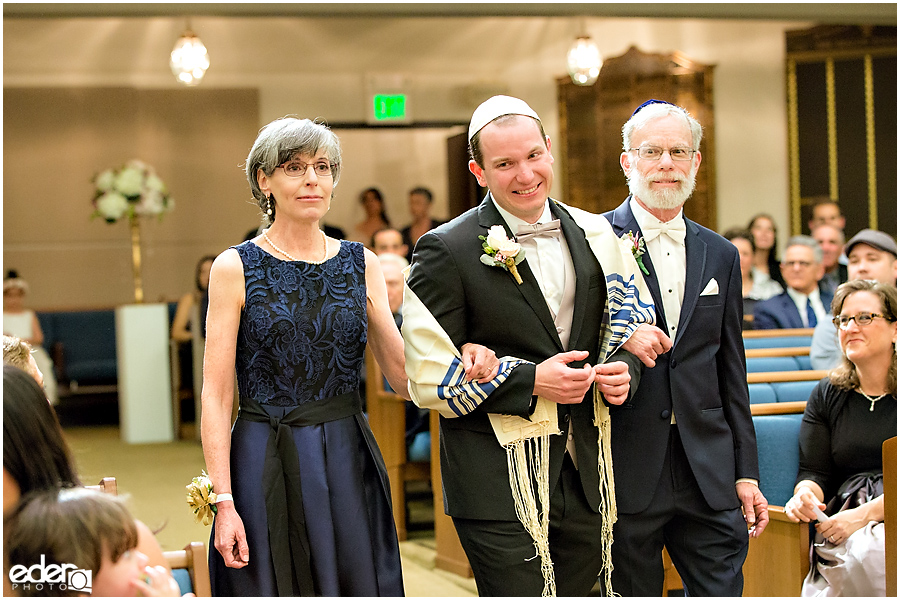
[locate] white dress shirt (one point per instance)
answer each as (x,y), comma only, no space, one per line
(670,261)
(814,299)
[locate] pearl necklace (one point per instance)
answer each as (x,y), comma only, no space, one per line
(870,398)
(312,262)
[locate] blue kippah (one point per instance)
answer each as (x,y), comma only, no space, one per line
(648,103)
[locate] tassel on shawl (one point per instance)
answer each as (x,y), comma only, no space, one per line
(608,510)
(524,457)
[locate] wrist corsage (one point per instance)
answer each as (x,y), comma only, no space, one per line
(637,249)
(201,498)
(500,251)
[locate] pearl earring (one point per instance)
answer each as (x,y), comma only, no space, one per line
(270,205)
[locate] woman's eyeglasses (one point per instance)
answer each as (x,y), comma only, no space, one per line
(297,168)
(862,319)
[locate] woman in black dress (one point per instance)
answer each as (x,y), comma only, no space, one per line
(847,419)
(303,496)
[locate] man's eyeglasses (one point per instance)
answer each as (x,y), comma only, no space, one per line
(656,153)
(297,168)
(862,319)
(790,264)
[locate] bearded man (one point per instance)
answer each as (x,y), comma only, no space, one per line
(683,446)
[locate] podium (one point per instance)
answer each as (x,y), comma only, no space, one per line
(145,391)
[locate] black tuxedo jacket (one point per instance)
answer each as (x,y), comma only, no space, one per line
(780,312)
(702,379)
(481,304)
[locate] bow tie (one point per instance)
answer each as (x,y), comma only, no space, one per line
(675,229)
(538,229)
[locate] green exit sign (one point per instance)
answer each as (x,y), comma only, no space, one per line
(390,107)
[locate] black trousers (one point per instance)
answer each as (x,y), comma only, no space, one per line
(503,556)
(707,547)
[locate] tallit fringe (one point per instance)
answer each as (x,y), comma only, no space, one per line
(608,510)
(536,453)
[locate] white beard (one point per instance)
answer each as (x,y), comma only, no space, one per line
(666,199)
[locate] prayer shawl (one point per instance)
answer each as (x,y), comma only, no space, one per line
(437,382)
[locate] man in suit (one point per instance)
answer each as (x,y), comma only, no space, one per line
(831,240)
(420,200)
(547,311)
(802,304)
(684,447)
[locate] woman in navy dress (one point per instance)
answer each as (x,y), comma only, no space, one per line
(304,505)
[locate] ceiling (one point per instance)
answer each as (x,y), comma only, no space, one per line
(872,13)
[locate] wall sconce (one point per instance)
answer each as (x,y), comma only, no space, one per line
(584,61)
(190,60)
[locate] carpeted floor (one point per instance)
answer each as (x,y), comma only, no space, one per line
(152,478)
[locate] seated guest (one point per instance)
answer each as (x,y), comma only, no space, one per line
(802,305)
(389,241)
(765,240)
(871,255)
(23,323)
(84,529)
(847,419)
(420,200)
(35,454)
(831,240)
(19,354)
(752,290)
(392,266)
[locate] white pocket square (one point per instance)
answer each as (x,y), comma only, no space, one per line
(711,289)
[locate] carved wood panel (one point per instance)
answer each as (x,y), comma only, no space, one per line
(591,120)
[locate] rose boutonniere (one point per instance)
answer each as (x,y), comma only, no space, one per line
(500,251)
(201,498)
(636,242)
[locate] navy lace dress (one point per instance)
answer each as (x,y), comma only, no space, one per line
(308,479)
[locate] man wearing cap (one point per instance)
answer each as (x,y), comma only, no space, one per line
(684,447)
(526,470)
(871,254)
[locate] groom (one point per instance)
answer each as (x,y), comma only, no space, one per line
(554,323)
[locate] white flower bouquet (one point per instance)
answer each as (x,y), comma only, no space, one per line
(132,190)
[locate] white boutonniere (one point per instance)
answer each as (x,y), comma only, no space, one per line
(636,242)
(500,251)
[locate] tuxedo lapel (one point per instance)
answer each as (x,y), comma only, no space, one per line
(695,254)
(581,257)
(623,222)
(488,216)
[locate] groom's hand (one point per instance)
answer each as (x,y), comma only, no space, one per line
(647,342)
(557,382)
(614,380)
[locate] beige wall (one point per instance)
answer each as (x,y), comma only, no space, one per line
(197,138)
(56,140)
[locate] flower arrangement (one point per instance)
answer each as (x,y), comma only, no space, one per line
(201,498)
(130,191)
(500,251)
(636,242)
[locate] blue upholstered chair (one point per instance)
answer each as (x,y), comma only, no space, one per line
(793,391)
(768,364)
(778,446)
(803,361)
(762,393)
(190,569)
(777,342)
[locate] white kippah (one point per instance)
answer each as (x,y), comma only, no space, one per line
(495,107)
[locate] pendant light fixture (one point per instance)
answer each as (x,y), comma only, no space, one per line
(189,60)
(583,60)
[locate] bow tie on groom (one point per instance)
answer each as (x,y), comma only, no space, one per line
(528,231)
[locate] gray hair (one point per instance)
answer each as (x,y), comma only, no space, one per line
(656,111)
(280,140)
(805,240)
(393,259)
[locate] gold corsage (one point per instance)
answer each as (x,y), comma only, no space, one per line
(201,498)
(500,251)
(637,249)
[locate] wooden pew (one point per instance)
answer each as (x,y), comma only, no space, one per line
(779,376)
(387,418)
(762,333)
(767,352)
(889,466)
